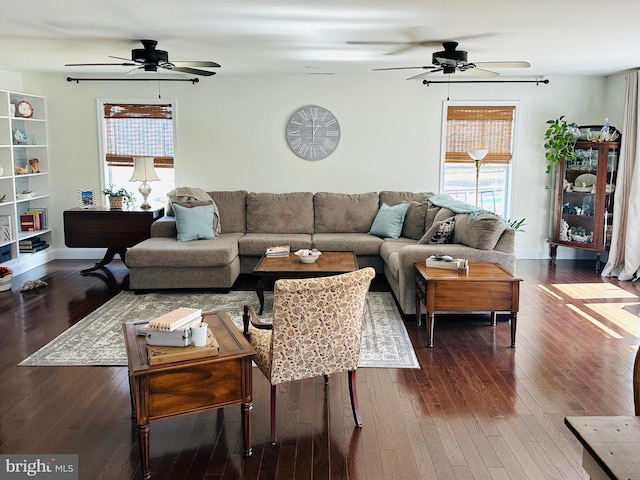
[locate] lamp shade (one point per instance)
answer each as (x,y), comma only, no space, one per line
(143,170)
(478,155)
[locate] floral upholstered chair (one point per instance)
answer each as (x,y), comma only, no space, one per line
(316,330)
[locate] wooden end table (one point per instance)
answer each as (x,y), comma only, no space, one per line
(102,227)
(190,386)
(486,287)
(270,269)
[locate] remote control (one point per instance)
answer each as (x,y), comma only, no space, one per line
(443,258)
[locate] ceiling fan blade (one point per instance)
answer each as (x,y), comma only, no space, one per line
(197,64)
(192,71)
(425,74)
(99,64)
(502,64)
(426,67)
(478,72)
(126,59)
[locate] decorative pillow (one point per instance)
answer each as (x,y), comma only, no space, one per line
(483,232)
(195,223)
(191,197)
(440,232)
(389,220)
(413,226)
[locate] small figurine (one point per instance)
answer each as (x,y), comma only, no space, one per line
(20,170)
(605,127)
(34,163)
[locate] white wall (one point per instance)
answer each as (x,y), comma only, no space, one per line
(231,134)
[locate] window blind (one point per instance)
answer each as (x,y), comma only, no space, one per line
(479,127)
(138,130)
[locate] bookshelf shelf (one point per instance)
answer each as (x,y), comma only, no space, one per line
(21,141)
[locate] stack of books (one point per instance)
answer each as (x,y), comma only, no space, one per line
(169,337)
(32,245)
(34,219)
(436,261)
(278,251)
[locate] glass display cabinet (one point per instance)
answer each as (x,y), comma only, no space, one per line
(582,199)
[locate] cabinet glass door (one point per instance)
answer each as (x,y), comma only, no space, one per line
(613,153)
(579,197)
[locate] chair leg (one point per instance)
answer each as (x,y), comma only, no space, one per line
(273,414)
(353,392)
(326,379)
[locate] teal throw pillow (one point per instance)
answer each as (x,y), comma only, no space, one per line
(389,220)
(195,223)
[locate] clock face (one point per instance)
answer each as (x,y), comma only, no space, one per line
(25,109)
(313,132)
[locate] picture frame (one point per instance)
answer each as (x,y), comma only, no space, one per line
(86,198)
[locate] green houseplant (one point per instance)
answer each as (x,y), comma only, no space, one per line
(559,140)
(118,196)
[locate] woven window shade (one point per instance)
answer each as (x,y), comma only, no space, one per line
(138,130)
(479,127)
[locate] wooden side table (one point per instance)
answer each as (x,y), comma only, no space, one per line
(101,227)
(487,287)
(191,386)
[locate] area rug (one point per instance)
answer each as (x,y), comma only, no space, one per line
(97,339)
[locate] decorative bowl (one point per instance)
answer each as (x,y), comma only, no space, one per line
(308,256)
(23,195)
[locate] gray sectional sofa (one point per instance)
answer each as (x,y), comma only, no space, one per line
(250,222)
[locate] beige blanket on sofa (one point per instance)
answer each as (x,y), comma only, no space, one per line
(193,197)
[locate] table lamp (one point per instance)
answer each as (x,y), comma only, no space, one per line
(477,156)
(144,172)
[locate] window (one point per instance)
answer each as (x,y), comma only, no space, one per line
(138,129)
(473,127)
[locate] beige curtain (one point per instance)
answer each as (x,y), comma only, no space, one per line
(624,254)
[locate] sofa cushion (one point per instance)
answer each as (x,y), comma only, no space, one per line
(440,232)
(168,252)
(232,207)
(430,217)
(360,243)
(389,220)
(280,212)
(414,220)
(195,223)
(483,232)
(256,244)
(391,197)
(344,213)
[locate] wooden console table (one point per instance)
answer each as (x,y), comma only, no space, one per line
(192,386)
(101,227)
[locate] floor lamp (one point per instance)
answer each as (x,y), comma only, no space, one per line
(144,172)
(477,156)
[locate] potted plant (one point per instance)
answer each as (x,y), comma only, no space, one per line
(6,275)
(559,140)
(118,196)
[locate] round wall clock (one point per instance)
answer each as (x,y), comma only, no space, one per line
(25,109)
(313,132)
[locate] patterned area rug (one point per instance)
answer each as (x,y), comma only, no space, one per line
(97,339)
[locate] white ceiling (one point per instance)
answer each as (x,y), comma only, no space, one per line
(300,37)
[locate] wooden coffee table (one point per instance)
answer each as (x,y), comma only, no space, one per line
(190,386)
(487,287)
(270,269)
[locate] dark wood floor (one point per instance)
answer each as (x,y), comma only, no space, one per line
(476,409)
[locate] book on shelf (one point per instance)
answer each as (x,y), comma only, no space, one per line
(34,248)
(278,251)
(159,355)
(27,242)
(5,228)
(175,319)
(41,217)
(28,223)
(453,264)
(180,337)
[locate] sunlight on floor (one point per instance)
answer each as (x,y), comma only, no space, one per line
(586,291)
(621,314)
(597,323)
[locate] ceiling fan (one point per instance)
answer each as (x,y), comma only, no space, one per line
(149,59)
(450,60)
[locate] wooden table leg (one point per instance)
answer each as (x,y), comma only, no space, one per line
(494,319)
(143,441)
(430,326)
(246,410)
(514,324)
(260,293)
(418,310)
(108,257)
